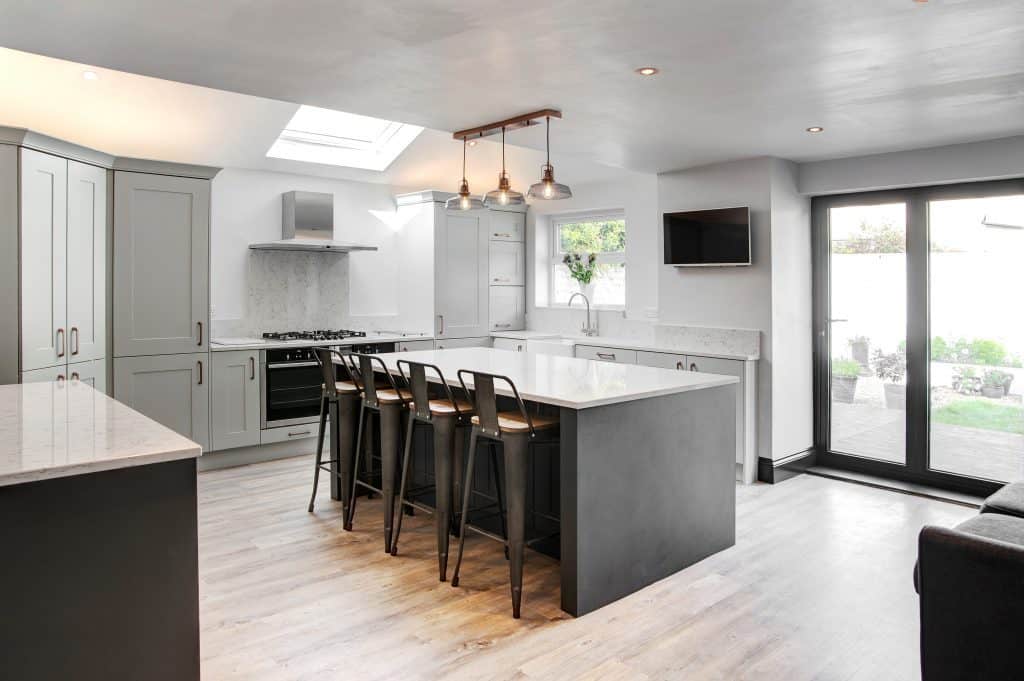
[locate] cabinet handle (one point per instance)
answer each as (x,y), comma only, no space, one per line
(60,378)
(505,235)
(500,279)
(74,340)
(519,348)
(60,340)
(199,325)
(199,365)
(440,318)
(74,376)
(298,432)
(693,366)
(503,326)
(680,366)
(607,355)
(252,368)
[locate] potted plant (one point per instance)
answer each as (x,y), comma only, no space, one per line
(993,383)
(892,369)
(844,380)
(966,381)
(583,270)
(859,348)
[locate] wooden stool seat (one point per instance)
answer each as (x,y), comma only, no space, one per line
(444,407)
(513,422)
(391,396)
(346,387)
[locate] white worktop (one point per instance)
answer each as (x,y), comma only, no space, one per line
(224,344)
(563,381)
(692,344)
(59,429)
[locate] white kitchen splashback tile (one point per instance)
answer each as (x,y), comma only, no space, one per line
(297,291)
(710,339)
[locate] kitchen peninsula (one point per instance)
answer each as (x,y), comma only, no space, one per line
(99,535)
(645,464)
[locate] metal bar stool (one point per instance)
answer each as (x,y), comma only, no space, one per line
(517,431)
(389,404)
(445,415)
(339,401)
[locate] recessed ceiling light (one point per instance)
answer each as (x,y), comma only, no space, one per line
(815,128)
(90,75)
(647,70)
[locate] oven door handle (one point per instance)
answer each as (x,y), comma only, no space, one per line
(290,365)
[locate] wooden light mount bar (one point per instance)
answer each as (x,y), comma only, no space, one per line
(522,121)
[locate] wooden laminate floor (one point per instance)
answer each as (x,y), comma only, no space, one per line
(818,586)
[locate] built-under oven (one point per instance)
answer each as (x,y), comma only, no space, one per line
(291,386)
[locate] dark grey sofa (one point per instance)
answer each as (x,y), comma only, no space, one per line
(971,584)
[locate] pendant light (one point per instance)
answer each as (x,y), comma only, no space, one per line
(503,195)
(547,188)
(463,201)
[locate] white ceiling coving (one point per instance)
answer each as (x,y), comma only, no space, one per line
(738,78)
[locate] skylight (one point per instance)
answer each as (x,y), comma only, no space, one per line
(338,138)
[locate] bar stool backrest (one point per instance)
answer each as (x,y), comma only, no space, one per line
(325,358)
(486,401)
(367,382)
(416,379)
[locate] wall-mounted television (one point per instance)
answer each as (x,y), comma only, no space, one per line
(708,238)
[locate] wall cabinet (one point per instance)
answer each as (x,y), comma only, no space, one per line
(460,274)
(507,226)
(508,308)
(161,264)
(235,403)
(63,261)
(507,263)
(171,389)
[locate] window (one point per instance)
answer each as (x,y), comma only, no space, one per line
(338,138)
(603,235)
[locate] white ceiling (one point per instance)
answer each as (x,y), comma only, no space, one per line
(136,116)
(739,78)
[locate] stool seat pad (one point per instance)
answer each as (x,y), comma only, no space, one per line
(513,422)
(343,387)
(443,407)
(389,396)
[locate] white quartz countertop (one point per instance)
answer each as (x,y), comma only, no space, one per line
(59,429)
(563,381)
(225,344)
(630,344)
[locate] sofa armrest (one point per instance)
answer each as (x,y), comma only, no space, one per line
(971,584)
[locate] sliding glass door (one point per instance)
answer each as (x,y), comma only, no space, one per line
(920,333)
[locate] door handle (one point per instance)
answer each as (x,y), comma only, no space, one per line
(199,325)
(199,365)
(693,366)
(607,355)
(74,340)
(74,376)
(60,378)
(680,366)
(61,339)
(440,317)
(252,368)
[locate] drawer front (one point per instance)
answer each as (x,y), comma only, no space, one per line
(508,308)
(507,226)
(407,346)
(606,354)
(289,433)
(450,343)
(507,263)
(513,344)
(662,360)
(715,365)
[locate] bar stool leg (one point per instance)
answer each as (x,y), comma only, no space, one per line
(355,467)
(516,450)
(319,450)
(390,427)
(406,458)
(458,468)
(444,454)
(467,486)
(501,502)
(345,432)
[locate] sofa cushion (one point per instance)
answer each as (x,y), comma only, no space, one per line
(1009,501)
(995,526)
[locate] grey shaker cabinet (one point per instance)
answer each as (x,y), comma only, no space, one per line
(235,403)
(170,389)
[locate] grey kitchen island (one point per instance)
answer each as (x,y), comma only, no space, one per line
(645,467)
(98,524)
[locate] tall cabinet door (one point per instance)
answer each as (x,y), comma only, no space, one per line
(87,262)
(44,187)
(161,264)
(170,389)
(460,272)
(235,408)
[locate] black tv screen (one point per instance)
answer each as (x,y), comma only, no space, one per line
(706,238)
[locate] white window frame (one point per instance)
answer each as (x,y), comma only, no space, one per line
(615,258)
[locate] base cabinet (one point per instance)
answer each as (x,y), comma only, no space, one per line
(170,389)
(410,345)
(93,373)
(513,344)
(481,342)
(235,407)
(508,308)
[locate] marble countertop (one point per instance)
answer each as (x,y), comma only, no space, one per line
(225,344)
(705,350)
(65,428)
(563,381)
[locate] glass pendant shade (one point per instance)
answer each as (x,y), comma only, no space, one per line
(463,201)
(547,189)
(504,195)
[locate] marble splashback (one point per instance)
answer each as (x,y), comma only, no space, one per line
(298,290)
(710,339)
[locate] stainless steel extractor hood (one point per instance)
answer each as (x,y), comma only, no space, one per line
(307,224)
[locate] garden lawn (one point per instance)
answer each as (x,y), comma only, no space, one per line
(982,413)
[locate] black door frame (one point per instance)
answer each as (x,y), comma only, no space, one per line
(918,332)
